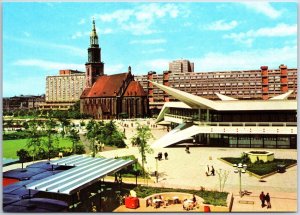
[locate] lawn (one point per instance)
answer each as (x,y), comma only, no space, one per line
(262,168)
(10,147)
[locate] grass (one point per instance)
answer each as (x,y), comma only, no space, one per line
(210,197)
(10,147)
(261,168)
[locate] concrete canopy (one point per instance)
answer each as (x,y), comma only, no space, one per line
(198,102)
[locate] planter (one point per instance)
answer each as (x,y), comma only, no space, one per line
(264,156)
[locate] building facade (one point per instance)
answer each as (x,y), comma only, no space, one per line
(181,66)
(110,96)
(229,122)
(65,87)
(249,85)
(22,102)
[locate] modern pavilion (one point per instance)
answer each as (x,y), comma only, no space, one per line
(229,122)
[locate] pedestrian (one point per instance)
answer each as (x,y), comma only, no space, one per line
(207,171)
(166,155)
(212,171)
(268,200)
(187,149)
(262,198)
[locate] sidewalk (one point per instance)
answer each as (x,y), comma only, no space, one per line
(280,202)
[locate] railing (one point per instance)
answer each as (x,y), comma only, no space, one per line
(179,117)
(243,124)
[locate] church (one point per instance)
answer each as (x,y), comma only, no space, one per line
(110,96)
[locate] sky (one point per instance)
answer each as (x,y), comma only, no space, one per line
(40,38)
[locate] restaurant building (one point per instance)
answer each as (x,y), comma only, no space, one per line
(229,122)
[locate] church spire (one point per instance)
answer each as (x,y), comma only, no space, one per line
(94,36)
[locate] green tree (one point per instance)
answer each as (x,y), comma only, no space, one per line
(141,138)
(51,141)
(92,129)
(35,137)
(25,125)
(75,138)
(23,156)
(64,124)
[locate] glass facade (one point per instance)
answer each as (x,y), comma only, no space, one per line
(248,140)
(239,118)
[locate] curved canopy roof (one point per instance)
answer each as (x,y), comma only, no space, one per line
(199,102)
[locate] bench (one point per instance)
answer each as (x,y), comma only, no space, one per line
(246,202)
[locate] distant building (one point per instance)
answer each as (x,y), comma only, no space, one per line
(249,84)
(109,96)
(63,90)
(22,102)
(65,87)
(181,66)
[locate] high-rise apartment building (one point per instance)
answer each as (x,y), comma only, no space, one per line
(251,84)
(181,66)
(64,89)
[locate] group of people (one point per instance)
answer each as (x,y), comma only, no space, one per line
(189,204)
(160,156)
(265,198)
(210,171)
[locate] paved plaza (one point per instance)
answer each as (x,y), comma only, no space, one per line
(188,171)
(184,170)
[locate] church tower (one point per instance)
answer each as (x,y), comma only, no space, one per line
(94,66)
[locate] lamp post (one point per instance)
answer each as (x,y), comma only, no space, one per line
(240,168)
(156,172)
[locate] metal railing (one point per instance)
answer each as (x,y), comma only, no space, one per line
(243,124)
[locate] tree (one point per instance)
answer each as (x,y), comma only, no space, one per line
(64,123)
(51,141)
(91,134)
(140,139)
(223,175)
(75,138)
(35,137)
(23,156)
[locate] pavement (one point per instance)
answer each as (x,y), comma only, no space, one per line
(188,171)
(184,170)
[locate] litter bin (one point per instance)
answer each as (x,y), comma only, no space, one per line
(281,168)
(206,209)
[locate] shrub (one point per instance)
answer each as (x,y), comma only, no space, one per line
(210,197)
(260,167)
(80,149)
(16,135)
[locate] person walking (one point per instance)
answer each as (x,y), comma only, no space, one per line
(207,171)
(262,198)
(166,155)
(212,171)
(268,200)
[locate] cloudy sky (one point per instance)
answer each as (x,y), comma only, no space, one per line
(41,38)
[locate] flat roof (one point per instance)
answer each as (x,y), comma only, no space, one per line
(86,171)
(9,161)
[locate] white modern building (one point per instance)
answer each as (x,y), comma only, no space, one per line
(229,122)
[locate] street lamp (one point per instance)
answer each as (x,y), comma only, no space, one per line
(156,172)
(240,168)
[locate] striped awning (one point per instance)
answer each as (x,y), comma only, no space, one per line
(87,170)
